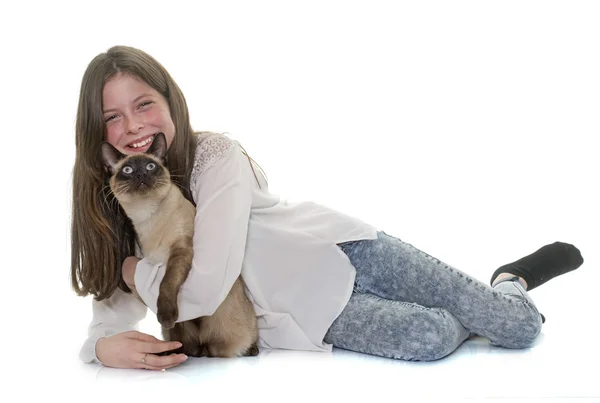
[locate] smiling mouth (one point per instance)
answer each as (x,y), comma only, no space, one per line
(143,143)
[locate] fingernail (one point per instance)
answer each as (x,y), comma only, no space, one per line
(185,357)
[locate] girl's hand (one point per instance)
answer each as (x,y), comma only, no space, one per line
(134,349)
(128,271)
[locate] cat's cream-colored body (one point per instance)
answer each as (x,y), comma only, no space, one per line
(159,230)
(164,222)
(231,330)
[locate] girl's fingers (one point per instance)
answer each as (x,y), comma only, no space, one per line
(148,346)
(155,362)
(151,344)
(178,359)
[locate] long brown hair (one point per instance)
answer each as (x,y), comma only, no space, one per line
(102,236)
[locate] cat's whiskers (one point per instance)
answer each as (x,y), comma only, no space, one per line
(164,182)
(114,203)
(174,176)
(106,190)
(121,190)
(179,185)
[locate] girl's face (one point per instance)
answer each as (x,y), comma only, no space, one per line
(134,112)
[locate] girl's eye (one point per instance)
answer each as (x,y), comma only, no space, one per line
(150,166)
(127,169)
(145,103)
(111,117)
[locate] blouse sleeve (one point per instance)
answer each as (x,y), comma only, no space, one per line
(120,313)
(223,195)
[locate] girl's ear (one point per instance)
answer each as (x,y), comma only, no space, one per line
(158,148)
(110,156)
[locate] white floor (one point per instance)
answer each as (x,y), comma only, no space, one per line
(560,366)
(467,128)
(556,367)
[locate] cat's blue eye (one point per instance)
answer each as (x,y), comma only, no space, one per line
(127,169)
(150,166)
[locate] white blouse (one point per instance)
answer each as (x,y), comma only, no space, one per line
(297,278)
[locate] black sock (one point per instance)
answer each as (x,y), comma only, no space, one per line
(544,264)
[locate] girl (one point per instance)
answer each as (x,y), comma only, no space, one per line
(317,278)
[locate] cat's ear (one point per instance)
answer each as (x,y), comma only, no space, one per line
(158,148)
(110,156)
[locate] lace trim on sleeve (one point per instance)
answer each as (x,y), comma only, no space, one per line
(211,147)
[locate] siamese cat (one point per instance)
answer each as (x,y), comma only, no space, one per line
(164,222)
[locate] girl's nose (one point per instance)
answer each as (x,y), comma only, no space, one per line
(134,126)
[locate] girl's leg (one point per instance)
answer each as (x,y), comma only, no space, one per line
(394,270)
(394,329)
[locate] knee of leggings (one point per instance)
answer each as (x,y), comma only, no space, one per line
(522,330)
(443,336)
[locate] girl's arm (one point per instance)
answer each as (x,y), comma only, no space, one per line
(113,339)
(223,194)
(119,313)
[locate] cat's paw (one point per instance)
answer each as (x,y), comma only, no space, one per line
(167,314)
(252,351)
(167,320)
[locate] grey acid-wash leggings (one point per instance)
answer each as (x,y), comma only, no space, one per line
(409,305)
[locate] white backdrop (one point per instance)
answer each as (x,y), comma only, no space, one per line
(466,128)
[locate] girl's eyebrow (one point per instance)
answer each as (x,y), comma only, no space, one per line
(133,102)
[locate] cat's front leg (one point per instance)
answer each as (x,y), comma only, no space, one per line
(178,267)
(167,308)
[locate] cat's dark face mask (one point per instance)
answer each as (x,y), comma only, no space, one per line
(137,173)
(140,173)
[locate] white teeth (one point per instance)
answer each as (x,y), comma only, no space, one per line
(142,143)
